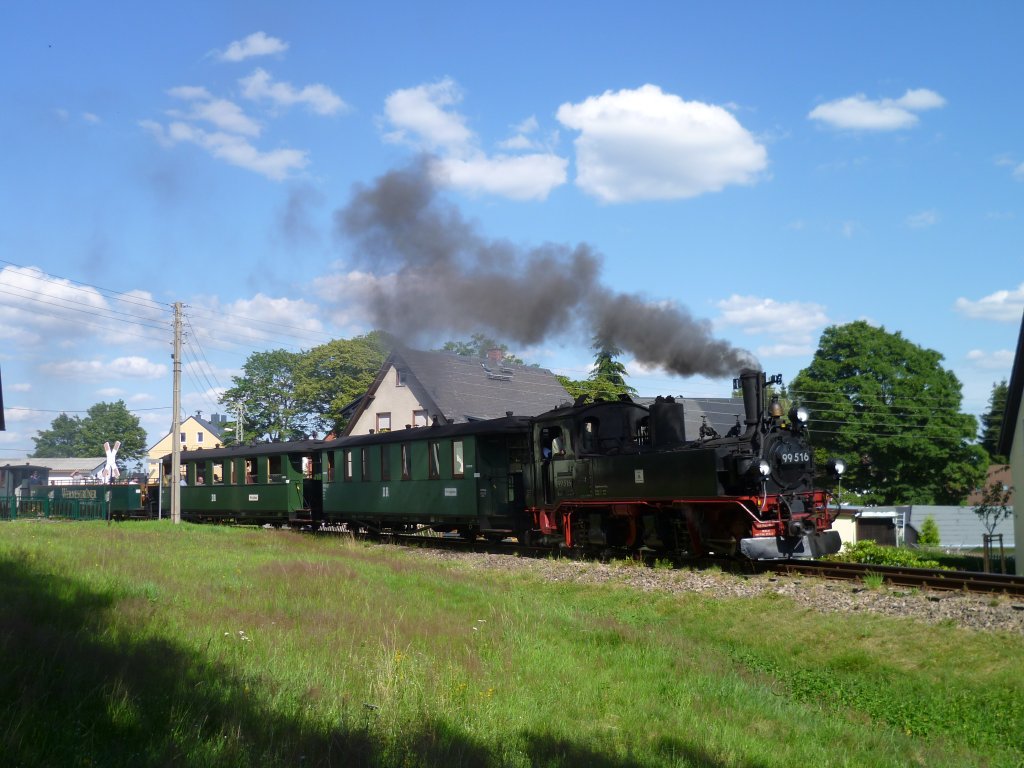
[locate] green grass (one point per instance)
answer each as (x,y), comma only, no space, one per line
(150,644)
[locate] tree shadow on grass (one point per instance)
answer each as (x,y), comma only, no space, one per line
(68,699)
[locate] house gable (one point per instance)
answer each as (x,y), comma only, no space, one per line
(198,433)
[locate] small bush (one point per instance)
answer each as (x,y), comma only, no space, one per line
(928,536)
(873,553)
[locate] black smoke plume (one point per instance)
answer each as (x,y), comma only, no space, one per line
(447,278)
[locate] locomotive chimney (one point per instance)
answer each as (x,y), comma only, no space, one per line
(751,381)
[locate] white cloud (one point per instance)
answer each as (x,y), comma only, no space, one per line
(277,164)
(258,87)
(786,350)
(420,116)
(1001,306)
(256,44)
(1000,360)
(923,220)
(797,321)
(423,117)
(223,114)
(121,367)
(39,311)
(256,319)
(860,113)
(644,144)
(25,414)
(521,140)
(231,141)
(524,177)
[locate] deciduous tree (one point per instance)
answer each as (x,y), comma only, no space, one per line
(266,393)
(62,440)
(891,409)
(995,505)
(330,377)
(71,436)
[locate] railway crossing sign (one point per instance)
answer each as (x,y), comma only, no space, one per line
(110,470)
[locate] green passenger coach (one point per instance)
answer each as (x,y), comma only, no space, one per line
(455,477)
(271,483)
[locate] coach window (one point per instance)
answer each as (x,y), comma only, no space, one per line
(433,459)
(384,422)
(364,464)
(348,465)
(385,462)
(218,473)
(250,477)
(274,471)
(406,461)
(458,466)
(330,466)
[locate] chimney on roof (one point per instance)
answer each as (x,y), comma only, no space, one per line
(495,355)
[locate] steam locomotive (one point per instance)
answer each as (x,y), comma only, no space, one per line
(610,475)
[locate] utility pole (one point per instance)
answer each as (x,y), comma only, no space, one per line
(175,477)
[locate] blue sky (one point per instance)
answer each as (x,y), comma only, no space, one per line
(760,171)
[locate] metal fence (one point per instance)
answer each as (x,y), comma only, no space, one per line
(18,508)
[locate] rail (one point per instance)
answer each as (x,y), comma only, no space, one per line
(968,581)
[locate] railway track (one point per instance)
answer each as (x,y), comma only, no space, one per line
(967,581)
(922,578)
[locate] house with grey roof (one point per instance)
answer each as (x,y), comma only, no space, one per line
(56,471)
(416,388)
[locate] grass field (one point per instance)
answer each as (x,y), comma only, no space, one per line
(147,644)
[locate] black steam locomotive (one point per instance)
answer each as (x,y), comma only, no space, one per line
(613,475)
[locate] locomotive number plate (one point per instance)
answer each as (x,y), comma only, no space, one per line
(638,476)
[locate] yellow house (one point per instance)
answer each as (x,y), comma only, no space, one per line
(196,432)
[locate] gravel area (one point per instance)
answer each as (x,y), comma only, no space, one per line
(973,611)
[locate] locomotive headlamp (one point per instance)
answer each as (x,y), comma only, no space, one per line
(764,468)
(836,467)
(799,415)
